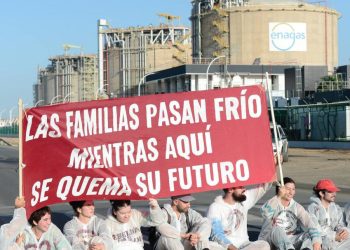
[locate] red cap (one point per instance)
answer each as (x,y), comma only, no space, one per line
(326,184)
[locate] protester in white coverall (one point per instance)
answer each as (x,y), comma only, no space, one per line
(330,216)
(42,234)
(86,231)
(185,228)
(228,215)
(125,223)
(10,231)
(287,225)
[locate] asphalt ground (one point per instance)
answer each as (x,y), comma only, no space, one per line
(307,166)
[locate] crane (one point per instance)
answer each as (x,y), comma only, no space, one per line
(169,17)
(67,47)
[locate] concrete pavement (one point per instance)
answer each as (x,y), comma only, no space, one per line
(307,166)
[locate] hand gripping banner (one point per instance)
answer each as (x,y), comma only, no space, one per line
(148,146)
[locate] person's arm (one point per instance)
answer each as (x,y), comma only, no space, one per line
(201,224)
(10,231)
(156,216)
(217,229)
(269,208)
(70,231)
(255,194)
(340,215)
(347,214)
(310,223)
(340,218)
(218,234)
(104,233)
(60,241)
(341,232)
(268,211)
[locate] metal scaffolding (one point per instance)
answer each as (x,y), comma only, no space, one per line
(67,78)
(131,53)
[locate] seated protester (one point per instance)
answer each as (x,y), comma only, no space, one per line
(329,215)
(185,228)
(86,231)
(228,215)
(125,223)
(41,233)
(9,232)
(287,225)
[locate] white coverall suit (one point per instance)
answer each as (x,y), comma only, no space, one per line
(289,227)
(330,220)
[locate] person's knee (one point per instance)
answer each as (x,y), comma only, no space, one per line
(169,243)
(278,231)
(263,245)
(281,243)
(278,235)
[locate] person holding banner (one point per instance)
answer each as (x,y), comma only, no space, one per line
(228,215)
(287,225)
(125,223)
(86,231)
(185,228)
(9,232)
(41,233)
(329,215)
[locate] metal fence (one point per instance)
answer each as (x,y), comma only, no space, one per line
(9,128)
(316,122)
(331,85)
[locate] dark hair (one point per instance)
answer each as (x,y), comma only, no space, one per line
(38,214)
(117,204)
(285,180)
(317,192)
(75,205)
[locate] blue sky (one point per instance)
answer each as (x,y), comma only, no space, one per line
(33,31)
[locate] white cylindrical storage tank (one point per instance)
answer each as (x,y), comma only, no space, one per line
(271,32)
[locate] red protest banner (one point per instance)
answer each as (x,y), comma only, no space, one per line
(149,146)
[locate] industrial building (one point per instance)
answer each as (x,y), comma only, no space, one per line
(126,55)
(268,32)
(194,77)
(232,42)
(67,78)
(235,42)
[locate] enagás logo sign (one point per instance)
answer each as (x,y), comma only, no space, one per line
(287,37)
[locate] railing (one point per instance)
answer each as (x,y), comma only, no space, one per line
(9,128)
(197,60)
(331,85)
(315,122)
